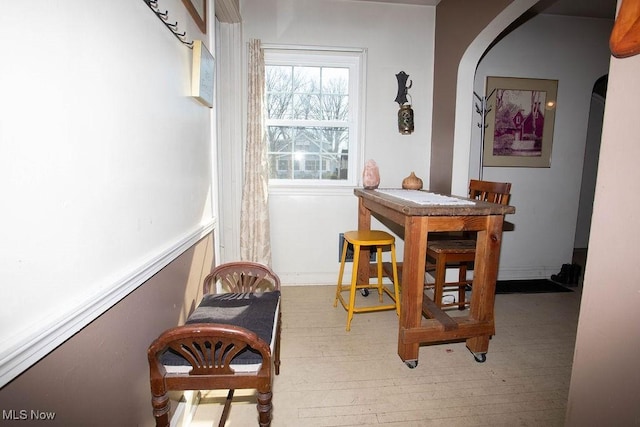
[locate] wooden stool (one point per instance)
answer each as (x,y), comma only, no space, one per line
(371,238)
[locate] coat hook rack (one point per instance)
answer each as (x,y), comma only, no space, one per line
(164,17)
(482,109)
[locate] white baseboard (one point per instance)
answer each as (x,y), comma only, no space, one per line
(323,278)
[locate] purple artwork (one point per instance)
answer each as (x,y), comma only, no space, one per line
(519,122)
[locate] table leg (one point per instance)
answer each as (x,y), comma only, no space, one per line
(413,269)
(484,280)
(364,223)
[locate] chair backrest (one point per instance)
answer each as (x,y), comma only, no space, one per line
(488,191)
(241,277)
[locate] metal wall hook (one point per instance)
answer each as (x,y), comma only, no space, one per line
(163,17)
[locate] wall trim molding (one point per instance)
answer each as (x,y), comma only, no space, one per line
(32,345)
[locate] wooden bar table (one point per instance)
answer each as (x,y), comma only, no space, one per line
(419,218)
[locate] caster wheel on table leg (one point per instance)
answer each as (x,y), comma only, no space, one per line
(411,363)
(364,292)
(480,358)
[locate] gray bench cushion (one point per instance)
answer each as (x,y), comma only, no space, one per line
(255,312)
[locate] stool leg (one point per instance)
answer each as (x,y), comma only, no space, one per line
(379,262)
(396,285)
(342,262)
(354,283)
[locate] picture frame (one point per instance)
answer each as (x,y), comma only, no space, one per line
(520,122)
(202,76)
(198,11)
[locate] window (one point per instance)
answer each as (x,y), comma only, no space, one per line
(312,116)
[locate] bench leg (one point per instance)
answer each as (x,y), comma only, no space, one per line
(264,408)
(161,408)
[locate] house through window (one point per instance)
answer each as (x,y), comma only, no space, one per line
(312,116)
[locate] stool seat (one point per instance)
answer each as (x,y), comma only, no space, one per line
(373,239)
(369,237)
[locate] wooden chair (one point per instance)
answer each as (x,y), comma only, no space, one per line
(460,250)
(230,341)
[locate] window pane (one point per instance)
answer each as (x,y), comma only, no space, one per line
(278,90)
(335,81)
(335,107)
(307,166)
(280,166)
(280,138)
(306,107)
(335,140)
(335,166)
(306,79)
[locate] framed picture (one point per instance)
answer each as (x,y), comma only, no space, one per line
(520,122)
(198,11)
(202,74)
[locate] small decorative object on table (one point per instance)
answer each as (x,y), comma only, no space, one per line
(412,182)
(370,175)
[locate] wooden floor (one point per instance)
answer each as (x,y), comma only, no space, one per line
(330,377)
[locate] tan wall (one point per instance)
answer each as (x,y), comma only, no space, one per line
(458,23)
(605,379)
(100,376)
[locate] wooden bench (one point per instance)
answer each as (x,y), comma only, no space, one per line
(230,341)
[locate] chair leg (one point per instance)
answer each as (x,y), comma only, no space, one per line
(462,277)
(264,408)
(441,271)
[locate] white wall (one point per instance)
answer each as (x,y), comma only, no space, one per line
(105,166)
(575,52)
(305,226)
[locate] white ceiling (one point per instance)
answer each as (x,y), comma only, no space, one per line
(585,8)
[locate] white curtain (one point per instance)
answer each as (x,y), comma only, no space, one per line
(255,241)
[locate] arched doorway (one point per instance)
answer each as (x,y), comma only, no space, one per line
(590,170)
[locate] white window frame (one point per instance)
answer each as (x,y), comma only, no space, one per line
(355,60)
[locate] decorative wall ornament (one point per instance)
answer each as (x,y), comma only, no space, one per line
(405,114)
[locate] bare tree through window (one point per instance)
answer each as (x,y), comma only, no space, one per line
(307,113)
